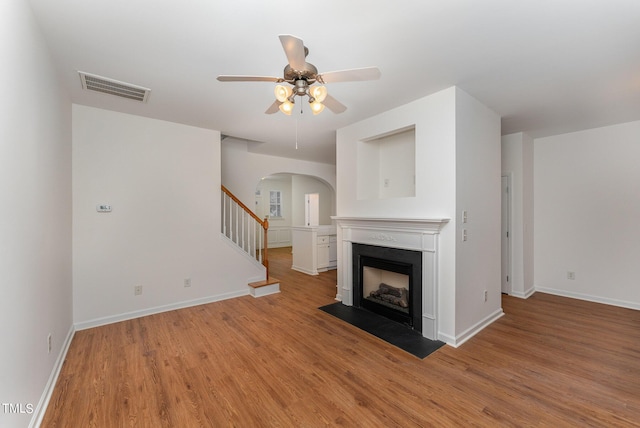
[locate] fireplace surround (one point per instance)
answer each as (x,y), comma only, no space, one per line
(416,235)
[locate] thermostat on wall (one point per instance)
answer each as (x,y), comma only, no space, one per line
(103,208)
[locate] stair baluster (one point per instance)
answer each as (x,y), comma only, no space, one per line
(234,228)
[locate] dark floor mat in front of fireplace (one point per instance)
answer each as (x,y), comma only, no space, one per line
(390,331)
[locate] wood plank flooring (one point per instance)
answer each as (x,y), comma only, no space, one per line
(278,361)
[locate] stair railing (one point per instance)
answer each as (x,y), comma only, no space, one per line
(244,228)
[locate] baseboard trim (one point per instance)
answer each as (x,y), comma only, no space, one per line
(589,298)
(303,270)
(523,295)
(41,408)
(471,331)
(158,309)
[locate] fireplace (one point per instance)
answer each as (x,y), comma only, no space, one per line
(388,281)
(406,250)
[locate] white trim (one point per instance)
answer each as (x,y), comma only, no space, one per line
(511,250)
(279,204)
(264,291)
(303,270)
(158,309)
(433,225)
(41,408)
(471,331)
(278,236)
(527,293)
(589,298)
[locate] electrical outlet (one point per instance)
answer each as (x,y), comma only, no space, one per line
(571,275)
(137,290)
(485,295)
(49,343)
(187,282)
(464,235)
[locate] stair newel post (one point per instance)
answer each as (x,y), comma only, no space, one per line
(265,258)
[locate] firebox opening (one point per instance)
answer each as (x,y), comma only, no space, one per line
(388,281)
(386,288)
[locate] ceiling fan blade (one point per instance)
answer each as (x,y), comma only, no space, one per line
(273,108)
(224,78)
(294,49)
(334,105)
(353,74)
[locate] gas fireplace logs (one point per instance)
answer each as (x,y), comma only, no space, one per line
(394,295)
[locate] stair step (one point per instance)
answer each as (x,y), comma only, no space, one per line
(263,288)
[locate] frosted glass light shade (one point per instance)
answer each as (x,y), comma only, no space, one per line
(286,107)
(282,93)
(317,107)
(319,93)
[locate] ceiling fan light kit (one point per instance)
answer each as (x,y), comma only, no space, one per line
(286,107)
(282,93)
(319,93)
(301,75)
(317,107)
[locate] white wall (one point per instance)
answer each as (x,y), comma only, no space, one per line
(386,166)
(303,184)
(517,163)
(162,180)
(478,193)
(242,170)
(457,155)
(397,177)
(587,206)
(35,200)
(279,233)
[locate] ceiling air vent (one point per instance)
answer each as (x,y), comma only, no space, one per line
(105,85)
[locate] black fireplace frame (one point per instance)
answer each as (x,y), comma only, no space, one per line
(407,262)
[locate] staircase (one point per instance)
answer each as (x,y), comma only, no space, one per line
(244,229)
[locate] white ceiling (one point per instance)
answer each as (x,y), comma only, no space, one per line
(545,66)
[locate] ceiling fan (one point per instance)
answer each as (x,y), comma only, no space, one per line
(302,75)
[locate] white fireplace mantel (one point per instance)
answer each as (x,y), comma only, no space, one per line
(432,224)
(406,233)
(415,234)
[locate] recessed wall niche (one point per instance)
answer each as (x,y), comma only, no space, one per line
(387,165)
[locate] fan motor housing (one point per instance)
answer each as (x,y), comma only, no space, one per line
(309,73)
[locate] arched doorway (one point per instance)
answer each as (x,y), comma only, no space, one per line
(281,198)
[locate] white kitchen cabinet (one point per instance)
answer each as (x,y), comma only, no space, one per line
(333,251)
(314,249)
(322,252)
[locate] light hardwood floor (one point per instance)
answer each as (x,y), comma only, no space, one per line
(278,361)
